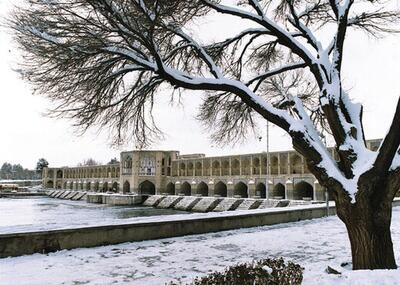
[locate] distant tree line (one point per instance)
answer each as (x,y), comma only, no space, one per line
(10,171)
(93,162)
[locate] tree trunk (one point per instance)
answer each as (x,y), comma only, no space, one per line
(368,226)
(371,247)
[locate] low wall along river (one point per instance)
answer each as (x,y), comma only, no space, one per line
(169,226)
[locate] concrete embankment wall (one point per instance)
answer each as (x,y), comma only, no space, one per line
(21,194)
(50,241)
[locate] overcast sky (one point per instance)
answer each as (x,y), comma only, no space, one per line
(372,69)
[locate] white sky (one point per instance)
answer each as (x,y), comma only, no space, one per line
(372,69)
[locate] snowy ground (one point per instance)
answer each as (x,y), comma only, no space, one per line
(314,244)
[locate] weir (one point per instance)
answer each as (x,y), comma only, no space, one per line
(169,202)
(183,203)
(206,204)
(249,204)
(153,201)
(228,204)
(187,203)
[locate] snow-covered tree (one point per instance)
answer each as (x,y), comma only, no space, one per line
(104,62)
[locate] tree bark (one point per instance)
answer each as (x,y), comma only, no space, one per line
(371,247)
(368,226)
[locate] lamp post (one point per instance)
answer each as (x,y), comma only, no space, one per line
(267,172)
(323,137)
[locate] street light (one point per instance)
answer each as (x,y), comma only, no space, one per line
(267,178)
(267,170)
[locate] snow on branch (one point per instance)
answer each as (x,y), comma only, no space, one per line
(103,62)
(260,78)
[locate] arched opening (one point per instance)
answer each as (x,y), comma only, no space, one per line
(256,166)
(115,187)
(261,190)
(147,188)
(105,187)
(88,184)
(240,190)
(182,169)
(202,189)
(190,168)
(199,169)
(225,168)
(96,186)
(71,186)
(170,188)
(296,164)
(59,174)
(283,165)
(303,191)
(245,166)
(278,192)
(216,168)
(126,188)
(50,184)
(274,165)
(186,189)
(206,168)
(65,185)
(220,189)
(235,167)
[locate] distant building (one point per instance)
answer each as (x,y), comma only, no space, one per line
(167,172)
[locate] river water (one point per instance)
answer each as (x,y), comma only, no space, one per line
(43,213)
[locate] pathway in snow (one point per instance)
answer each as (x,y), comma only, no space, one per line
(314,244)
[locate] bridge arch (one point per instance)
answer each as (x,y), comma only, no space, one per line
(88,184)
(261,190)
(96,186)
(105,187)
(170,189)
(220,189)
(126,187)
(147,188)
(240,189)
(202,189)
(115,187)
(303,190)
(50,184)
(186,189)
(279,191)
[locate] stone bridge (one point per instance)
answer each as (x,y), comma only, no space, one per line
(279,175)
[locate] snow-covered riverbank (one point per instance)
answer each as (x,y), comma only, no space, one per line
(314,244)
